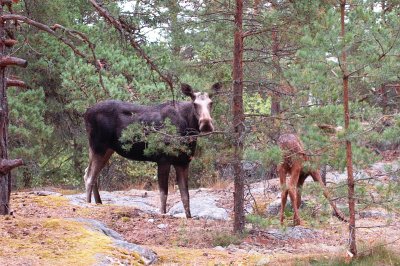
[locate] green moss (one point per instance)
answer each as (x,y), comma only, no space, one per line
(60,242)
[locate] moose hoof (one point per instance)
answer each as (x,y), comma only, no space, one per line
(297,222)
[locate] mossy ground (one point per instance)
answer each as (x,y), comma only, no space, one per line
(40,233)
(41,241)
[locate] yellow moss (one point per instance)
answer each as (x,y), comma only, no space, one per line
(51,201)
(125,219)
(260,206)
(190,256)
(60,242)
(69,191)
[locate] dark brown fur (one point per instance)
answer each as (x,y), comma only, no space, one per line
(105,122)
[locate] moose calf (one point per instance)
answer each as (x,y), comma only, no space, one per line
(293,158)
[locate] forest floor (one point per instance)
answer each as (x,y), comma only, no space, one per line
(180,241)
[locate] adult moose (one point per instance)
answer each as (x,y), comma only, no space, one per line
(294,158)
(106,120)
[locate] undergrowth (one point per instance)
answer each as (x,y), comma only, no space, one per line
(378,255)
(225,239)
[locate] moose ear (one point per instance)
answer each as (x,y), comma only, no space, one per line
(215,89)
(187,90)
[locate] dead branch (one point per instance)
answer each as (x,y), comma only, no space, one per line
(73,33)
(16,83)
(7,165)
(45,28)
(9,42)
(12,61)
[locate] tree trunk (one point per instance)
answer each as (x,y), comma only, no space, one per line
(350,179)
(5,164)
(275,100)
(5,179)
(238,119)
(174,9)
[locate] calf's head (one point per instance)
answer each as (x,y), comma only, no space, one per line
(202,105)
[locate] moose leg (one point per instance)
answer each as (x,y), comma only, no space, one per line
(96,163)
(182,175)
(163,175)
(302,178)
(294,179)
(96,193)
(284,194)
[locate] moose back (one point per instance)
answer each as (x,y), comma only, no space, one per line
(105,122)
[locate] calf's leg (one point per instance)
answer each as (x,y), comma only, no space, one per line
(294,179)
(96,163)
(163,175)
(182,175)
(282,180)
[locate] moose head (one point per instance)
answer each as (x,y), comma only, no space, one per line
(202,105)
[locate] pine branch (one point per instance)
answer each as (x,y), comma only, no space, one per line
(127,32)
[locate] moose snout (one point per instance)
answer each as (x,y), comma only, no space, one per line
(206,125)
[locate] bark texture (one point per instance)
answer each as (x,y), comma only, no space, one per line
(238,119)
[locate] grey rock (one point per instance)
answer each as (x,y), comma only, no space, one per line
(389,169)
(375,214)
(113,198)
(147,255)
(297,232)
(162,226)
(46,193)
(253,170)
(151,220)
(219,248)
(274,207)
(231,247)
(336,177)
(201,207)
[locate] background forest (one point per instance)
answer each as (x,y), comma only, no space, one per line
(292,82)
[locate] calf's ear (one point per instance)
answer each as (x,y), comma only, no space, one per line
(187,90)
(215,89)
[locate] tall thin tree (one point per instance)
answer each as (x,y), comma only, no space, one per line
(238,118)
(350,178)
